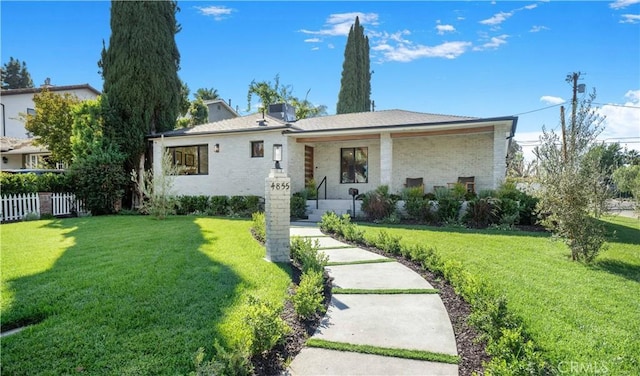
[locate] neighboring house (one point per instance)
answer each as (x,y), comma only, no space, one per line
(219,110)
(22,153)
(17,145)
(360,150)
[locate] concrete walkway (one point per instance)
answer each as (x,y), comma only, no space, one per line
(400,321)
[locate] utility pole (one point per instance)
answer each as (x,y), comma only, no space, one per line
(564,136)
(572,79)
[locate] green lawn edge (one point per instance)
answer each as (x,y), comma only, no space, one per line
(338,290)
(384,351)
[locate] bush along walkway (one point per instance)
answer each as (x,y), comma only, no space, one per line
(383,318)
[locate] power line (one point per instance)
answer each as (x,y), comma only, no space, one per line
(617,105)
(539,109)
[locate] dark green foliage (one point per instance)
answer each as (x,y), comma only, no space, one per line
(299,205)
(140,71)
(244,206)
(199,112)
(266,326)
(205,94)
(355,84)
(219,205)
(449,205)
(418,205)
(482,212)
(192,205)
(258,225)
(306,254)
(15,75)
(87,127)
(379,204)
(388,243)
(308,298)
(100,180)
(31,183)
(235,362)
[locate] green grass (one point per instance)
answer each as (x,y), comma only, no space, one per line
(127,294)
(338,290)
(589,315)
(384,351)
(359,262)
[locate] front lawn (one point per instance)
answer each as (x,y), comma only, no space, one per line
(127,294)
(586,319)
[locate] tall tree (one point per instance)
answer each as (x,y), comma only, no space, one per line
(355,85)
(15,75)
(206,94)
(568,176)
(52,123)
(142,91)
(275,93)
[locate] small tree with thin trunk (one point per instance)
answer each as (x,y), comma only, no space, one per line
(568,178)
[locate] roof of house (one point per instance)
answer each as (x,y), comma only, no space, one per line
(32,90)
(354,121)
(222,102)
(11,145)
(249,123)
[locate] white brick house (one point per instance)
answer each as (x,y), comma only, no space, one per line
(360,150)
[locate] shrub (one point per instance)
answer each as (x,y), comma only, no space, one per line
(100,180)
(31,183)
(219,205)
(244,206)
(310,189)
(330,222)
(193,204)
(415,203)
(308,297)
(266,327)
(307,254)
(482,212)
(448,205)
(299,205)
(259,226)
(379,204)
(388,243)
(225,362)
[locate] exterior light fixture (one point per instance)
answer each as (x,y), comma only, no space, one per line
(277,155)
(216,148)
(5,160)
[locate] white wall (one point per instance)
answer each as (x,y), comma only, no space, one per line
(15,104)
(232,171)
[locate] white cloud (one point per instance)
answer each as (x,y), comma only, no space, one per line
(313,40)
(404,53)
(497,18)
(315,48)
(217,12)
(619,4)
(538,28)
(630,18)
(532,6)
(339,24)
(493,43)
(622,121)
(442,29)
(331,46)
(548,99)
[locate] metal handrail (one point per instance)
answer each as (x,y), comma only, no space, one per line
(318,190)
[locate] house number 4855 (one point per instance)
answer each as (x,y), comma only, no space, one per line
(279,186)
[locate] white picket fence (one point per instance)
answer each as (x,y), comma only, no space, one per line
(17,207)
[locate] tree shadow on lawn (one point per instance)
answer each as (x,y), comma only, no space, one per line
(618,233)
(132,296)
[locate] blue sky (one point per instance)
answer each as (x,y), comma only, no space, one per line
(473,58)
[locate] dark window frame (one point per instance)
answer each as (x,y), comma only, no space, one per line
(257,153)
(348,172)
(180,156)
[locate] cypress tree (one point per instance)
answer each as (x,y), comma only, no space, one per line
(142,91)
(355,85)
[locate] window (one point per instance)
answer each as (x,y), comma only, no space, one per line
(257,149)
(193,158)
(353,165)
(31,111)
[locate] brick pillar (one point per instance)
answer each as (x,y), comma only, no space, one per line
(277,196)
(386,160)
(46,203)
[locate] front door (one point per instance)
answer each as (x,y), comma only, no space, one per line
(308,164)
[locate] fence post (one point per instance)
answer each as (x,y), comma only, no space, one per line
(46,205)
